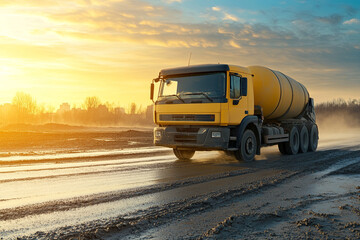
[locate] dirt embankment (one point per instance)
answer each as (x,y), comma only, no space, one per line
(32,139)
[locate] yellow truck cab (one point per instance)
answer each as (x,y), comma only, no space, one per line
(213,107)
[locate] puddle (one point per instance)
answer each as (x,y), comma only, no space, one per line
(339,184)
(105,139)
(85,154)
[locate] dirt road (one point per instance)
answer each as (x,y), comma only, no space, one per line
(142,192)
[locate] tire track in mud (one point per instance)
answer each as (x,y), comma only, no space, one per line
(68,204)
(258,224)
(289,222)
(156,216)
(123,169)
(265,184)
(82,159)
(79,166)
(247,222)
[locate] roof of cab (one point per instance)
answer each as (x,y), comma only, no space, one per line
(203,68)
(195,69)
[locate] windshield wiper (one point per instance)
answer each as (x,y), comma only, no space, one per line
(176,95)
(199,93)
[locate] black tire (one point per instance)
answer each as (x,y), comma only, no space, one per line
(184,154)
(313,138)
(247,148)
(304,139)
(292,147)
(281,147)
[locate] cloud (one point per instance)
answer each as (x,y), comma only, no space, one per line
(216,9)
(27,3)
(226,16)
(234,44)
(172,1)
(332,19)
(352,21)
(351,10)
(230,17)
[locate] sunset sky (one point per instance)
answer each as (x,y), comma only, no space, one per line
(62,51)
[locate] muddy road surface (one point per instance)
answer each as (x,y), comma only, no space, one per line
(138,191)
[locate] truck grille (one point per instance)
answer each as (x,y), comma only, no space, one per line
(185,138)
(186,134)
(188,117)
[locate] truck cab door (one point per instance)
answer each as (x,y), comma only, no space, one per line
(237,98)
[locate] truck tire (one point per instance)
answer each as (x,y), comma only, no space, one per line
(247,148)
(304,139)
(292,146)
(184,154)
(281,147)
(313,138)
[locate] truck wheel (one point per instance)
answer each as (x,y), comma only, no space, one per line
(281,147)
(184,154)
(292,146)
(313,138)
(247,148)
(304,139)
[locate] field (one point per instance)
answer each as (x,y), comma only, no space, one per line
(62,182)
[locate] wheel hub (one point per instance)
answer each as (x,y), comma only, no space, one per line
(249,146)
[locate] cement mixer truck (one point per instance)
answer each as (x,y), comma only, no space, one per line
(233,109)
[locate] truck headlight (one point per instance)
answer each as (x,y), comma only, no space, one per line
(158,134)
(216,134)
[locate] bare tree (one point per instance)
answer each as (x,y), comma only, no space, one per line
(110,107)
(24,103)
(133,108)
(91,102)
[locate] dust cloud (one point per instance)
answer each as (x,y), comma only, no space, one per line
(337,124)
(338,117)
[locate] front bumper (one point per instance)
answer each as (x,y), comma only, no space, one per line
(194,137)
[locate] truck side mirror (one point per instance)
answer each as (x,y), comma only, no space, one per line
(243,88)
(152,91)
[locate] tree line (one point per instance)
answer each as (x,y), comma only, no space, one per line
(25,109)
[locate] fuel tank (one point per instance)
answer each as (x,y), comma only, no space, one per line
(280,96)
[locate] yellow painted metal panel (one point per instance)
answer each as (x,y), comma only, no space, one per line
(224,114)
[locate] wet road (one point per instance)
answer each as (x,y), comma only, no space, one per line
(148,193)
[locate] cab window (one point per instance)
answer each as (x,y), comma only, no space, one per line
(234,86)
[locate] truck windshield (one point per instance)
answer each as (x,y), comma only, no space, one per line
(209,86)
